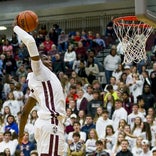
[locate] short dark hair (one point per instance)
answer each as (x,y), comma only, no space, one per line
(105,112)
(109,87)
(135,104)
(76,122)
(119,100)
(154,151)
(139,98)
(125,141)
(7,132)
(89,115)
(12,116)
(76,134)
(99,142)
(73,87)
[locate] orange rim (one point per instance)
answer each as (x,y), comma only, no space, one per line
(117,22)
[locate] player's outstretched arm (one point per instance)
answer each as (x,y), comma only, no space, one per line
(29,41)
(31,102)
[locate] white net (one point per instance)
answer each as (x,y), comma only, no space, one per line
(132,34)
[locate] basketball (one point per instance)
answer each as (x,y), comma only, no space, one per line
(27,20)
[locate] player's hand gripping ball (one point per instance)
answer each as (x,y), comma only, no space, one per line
(27,20)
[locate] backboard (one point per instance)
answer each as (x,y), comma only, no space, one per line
(145,10)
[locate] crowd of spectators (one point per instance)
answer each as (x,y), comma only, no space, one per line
(112,119)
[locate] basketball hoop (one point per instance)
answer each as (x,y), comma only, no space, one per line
(132,34)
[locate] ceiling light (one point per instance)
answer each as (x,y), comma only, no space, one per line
(3,28)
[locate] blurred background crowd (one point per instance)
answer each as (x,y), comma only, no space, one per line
(108,104)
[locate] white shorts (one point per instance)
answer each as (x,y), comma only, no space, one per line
(50,138)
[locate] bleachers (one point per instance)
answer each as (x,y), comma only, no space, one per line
(102,54)
(100,57)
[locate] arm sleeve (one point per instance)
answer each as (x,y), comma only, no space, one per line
(28,40)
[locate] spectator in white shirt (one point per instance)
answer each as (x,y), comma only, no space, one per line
(111,63)
(8,143)
(69,57)
(118,72)
(89,93)
(109,137)
(146,148)
(149,119)
(137,87)
(76,127)
(137,149)
(129,78)
(101,124)
(135,113)
(118,114)
(91,142)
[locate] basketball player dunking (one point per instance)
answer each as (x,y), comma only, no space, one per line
(47,92)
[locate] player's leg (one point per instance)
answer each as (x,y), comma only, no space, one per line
(50,138)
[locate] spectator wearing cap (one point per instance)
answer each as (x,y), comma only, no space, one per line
(94,103)
(111,63)
(129,78)
(69,128)
(153,151)
(118,114)
(146,148)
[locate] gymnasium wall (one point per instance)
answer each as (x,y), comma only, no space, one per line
(87,16)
